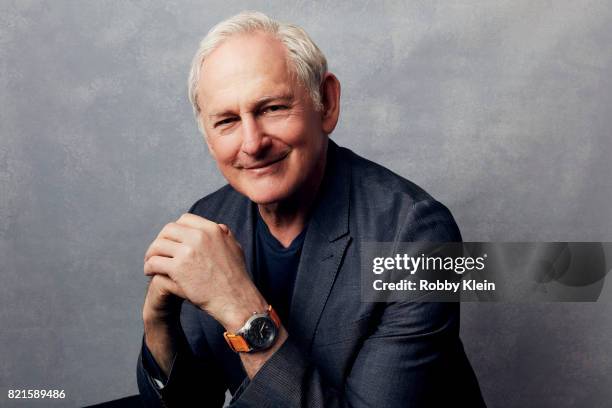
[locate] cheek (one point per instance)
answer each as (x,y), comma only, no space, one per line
(224,149)
(295,128)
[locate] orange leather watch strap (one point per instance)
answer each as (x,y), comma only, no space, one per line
(274,316)
(238,344)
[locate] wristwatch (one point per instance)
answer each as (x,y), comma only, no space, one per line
(258,333)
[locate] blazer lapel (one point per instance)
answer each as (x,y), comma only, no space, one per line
(325,243)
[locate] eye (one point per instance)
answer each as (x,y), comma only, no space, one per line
(225,121)
(273,108)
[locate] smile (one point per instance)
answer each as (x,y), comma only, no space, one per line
(267,166)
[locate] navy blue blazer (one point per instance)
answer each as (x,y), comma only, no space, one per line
(341,352)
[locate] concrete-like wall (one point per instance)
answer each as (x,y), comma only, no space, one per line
(501,110)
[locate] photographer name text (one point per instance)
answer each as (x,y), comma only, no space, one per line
(438,285)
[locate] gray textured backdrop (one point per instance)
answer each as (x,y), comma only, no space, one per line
(501,110)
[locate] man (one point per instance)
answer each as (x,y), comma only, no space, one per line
(265,272)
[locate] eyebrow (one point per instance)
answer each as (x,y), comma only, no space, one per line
(259,102)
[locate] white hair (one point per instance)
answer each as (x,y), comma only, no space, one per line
(306,59)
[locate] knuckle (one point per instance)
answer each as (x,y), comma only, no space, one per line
(166,228)
(200,236)
(152,246)
(188,251)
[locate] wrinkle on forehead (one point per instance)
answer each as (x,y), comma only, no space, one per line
(244,68)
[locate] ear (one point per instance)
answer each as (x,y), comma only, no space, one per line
(330,98)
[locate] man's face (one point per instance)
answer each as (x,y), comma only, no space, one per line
(261,125)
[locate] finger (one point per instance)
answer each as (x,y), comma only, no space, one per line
(159,265)
(162,247)
(167,285)
(201,223)
(225,228)
(175,232)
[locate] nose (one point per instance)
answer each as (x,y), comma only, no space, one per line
(254,139)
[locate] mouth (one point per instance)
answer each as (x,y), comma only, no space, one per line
(266,164)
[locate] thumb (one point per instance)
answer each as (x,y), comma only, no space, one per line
(167,286)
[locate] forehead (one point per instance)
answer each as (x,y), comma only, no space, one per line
(244,68)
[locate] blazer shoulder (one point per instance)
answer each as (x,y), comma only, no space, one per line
(374,179)
(400,207)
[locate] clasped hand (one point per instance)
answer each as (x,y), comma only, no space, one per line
(201,261)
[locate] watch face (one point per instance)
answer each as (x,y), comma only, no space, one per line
(261,333)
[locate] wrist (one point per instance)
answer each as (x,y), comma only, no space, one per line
(158,323)
(238,315)
(162,345)
(235,319)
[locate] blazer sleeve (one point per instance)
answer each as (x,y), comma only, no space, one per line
(413,357)
(195,378)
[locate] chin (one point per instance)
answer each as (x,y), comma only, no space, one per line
(266,192)
(262,197)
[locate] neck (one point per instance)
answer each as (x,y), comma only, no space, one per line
(286,219)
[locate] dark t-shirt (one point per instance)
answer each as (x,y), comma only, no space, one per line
(276,267)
